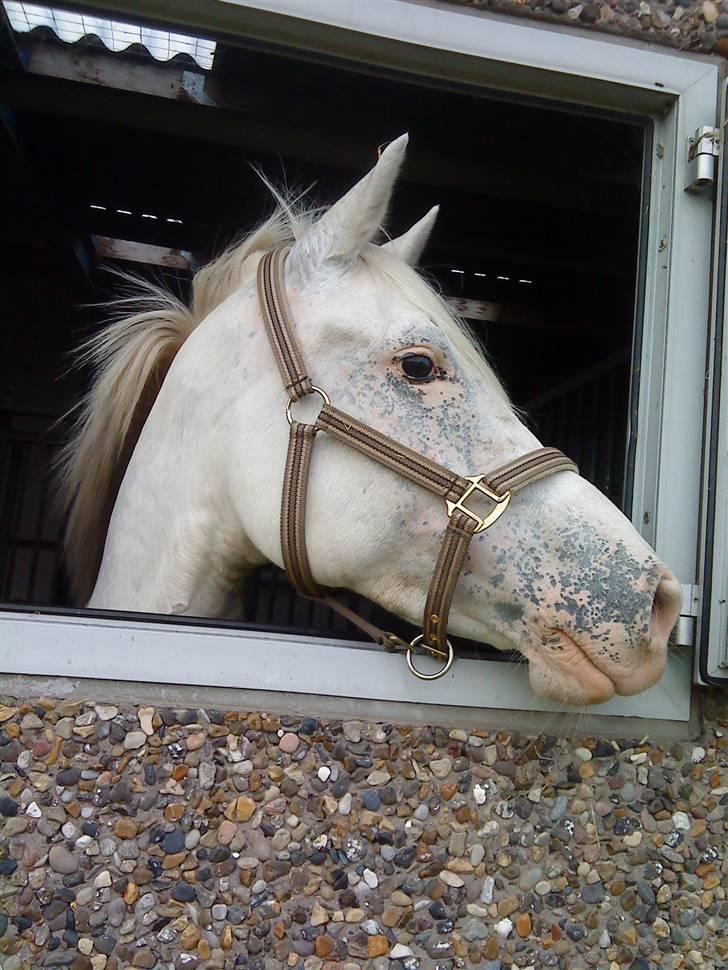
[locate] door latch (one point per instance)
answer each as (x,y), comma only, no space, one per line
(703,152)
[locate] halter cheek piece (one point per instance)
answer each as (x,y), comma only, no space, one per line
(456,490)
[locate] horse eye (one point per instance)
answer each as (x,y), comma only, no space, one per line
(417,367)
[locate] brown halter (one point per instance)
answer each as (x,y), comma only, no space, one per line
(455,489)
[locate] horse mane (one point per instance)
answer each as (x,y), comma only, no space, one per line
(131,355)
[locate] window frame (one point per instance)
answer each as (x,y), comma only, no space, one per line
(580,70)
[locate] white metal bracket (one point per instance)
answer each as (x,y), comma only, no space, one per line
(703,152)
(684,632)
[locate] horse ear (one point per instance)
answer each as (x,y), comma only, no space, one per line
(410,245)
(341,233)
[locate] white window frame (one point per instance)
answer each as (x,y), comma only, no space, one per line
(453,44)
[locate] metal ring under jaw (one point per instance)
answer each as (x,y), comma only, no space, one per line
(439,673)
(314,390)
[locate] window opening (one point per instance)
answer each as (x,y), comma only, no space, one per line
(540,256)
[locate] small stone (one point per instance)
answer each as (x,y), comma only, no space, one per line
(479,794)
(61,860)
(125,828)
(487,889)
(391,916)
(190,937)
(131,893)
(8,808)
(507,906)
(523,925)
(503,928)
(174,860)
(371,878)
(244,808)
(324,946)
(68,777)
(681,821)
(710,15)
(134,740)
(477,854)
(206,775)
(377,946)
(103,879)
(371,800)
(289,743)
(319,916)
(592,893)
(146,714)
(106,712)
(195,740)
(441,767)
(379,777)
(451,879)
(31,722)
(352,731)
(226,832)
(184,893)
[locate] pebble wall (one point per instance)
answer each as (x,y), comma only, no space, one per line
(690,25)
(177,839)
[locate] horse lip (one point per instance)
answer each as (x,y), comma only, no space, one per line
(603,682)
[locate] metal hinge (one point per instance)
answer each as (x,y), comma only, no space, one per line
(703,152)
(684,633)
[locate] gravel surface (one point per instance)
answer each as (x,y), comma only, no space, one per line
(160,838)
(694,26)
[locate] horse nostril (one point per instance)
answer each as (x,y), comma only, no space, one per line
(666,606)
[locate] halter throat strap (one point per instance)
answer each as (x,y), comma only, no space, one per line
(456,490)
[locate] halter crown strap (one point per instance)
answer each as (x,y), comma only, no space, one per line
(457,491)
(277,316)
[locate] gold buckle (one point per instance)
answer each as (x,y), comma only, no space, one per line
(314,390)
(476,485)
(450,655)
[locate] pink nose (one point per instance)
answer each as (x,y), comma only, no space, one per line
(652,658)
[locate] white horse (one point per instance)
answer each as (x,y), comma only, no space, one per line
(173,478)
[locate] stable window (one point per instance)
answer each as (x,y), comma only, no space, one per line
(564,230)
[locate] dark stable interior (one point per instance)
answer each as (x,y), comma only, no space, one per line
(539,221)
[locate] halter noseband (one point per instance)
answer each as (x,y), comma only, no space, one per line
(456,490)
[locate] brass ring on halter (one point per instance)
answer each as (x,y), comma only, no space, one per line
(315,390)
(439,673)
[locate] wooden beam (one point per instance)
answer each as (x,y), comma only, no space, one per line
(135,252)
(92,66)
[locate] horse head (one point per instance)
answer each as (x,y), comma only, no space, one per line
(563,576)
